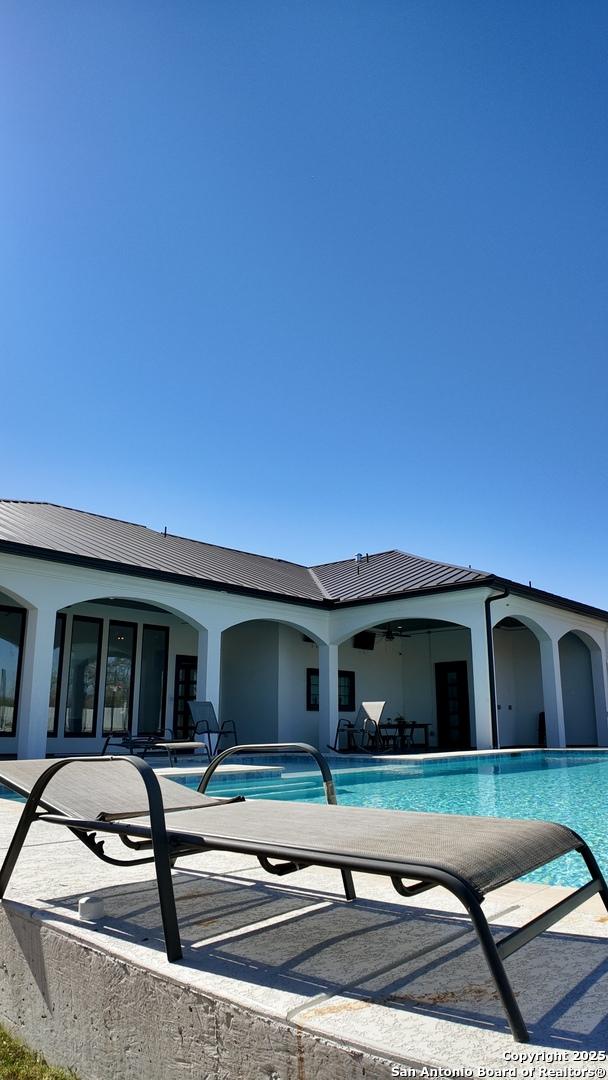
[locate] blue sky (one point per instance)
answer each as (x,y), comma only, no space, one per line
(313,278)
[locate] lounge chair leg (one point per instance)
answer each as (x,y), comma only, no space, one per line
(28,815)
(595,872)
(497,970)
(349,885)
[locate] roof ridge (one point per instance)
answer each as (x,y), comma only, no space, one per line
(75,510)
(408,555)
(343,562)
(324,593)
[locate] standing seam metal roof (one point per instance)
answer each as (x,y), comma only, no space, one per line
(49,530)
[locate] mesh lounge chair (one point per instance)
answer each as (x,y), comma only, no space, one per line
(150,744)
(206,724)
(469,856)
(361,735)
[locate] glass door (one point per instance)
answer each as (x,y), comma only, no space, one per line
(452,690)
(185,691)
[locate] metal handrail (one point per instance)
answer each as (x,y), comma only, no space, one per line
(275,748)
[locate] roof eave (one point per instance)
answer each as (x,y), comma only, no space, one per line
(552,599)
(150,574)
(491,581)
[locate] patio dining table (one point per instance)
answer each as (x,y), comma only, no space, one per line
(401,734)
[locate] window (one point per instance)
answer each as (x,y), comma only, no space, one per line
(83,679)
(346,690)
(56,675)
(155,647)
(12,629)
(120,668)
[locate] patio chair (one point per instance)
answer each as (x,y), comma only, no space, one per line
(361,735)
(205,723)
(469,856)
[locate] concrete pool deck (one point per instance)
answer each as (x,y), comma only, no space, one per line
(281,979)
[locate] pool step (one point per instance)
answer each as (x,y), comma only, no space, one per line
(284,788)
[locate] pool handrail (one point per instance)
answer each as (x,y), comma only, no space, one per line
(275,748)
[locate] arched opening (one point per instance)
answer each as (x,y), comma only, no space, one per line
(13,620)
(120,664)
(519,687)
(422,668)
(267,681)
(578,695)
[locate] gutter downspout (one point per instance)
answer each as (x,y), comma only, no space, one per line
(491,672)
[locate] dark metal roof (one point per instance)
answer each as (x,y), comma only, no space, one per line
(391,572)
(49,529)
(57,533)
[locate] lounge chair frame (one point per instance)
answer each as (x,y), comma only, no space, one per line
(168,844)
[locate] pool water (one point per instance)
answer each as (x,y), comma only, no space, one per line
(568,787)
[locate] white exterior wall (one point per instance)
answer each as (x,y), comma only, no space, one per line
(378,673)
(378,677)
(577,692)
(519,689)
(264,659)
(295,723)
(250,677)
(587,680)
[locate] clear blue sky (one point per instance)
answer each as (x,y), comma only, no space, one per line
(312,278)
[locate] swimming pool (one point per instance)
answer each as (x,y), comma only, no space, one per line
(566,786)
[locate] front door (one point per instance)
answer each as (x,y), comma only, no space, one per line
(452,690)
(185,690)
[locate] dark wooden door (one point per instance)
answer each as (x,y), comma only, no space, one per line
(453,718)
(185,690)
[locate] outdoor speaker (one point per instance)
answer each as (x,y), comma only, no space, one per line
(365,640)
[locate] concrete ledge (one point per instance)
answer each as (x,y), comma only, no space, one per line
(281,979)
(105,1017)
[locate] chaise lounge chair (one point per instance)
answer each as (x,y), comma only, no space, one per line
(469,856)
(164,743)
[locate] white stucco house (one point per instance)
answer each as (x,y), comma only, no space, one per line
(107,626)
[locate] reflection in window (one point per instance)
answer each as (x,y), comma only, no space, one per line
(56,674)
(119,677)
(155,644)
(12,624)
(83,681)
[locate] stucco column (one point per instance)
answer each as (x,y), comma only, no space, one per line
(552,692)
(481,685)
(600,694)
(328,694)
(32,720)
(209,667)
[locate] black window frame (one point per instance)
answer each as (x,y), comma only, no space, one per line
(13,608)
(92,734)
(135,627)
(351,701)
(61,618)
(167,632)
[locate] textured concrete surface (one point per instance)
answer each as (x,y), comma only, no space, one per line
(281,978)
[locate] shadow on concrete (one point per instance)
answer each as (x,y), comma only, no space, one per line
(404,958)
